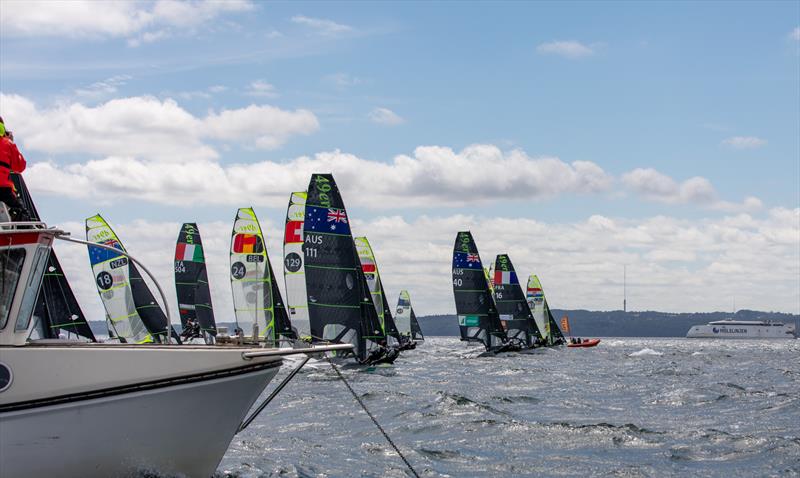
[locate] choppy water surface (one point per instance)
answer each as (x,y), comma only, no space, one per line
(629,407)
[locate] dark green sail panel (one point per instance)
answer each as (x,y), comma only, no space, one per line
(148,308)
(416,330)
(56,306)
(283,327)
(478,319)
(388,320)
(512,305)
(557,337)
(191,280)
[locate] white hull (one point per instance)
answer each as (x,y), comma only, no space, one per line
(741,331)
(175,430)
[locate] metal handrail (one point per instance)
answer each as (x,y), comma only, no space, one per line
(64,236)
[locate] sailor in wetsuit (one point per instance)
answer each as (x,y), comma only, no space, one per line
(10,161)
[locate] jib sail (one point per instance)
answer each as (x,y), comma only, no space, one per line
(293,270)
(56,305)
(191,280)
(477,314)
(256,298)
(340,308)
(511,304)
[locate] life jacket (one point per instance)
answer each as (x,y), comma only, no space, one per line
(10,160)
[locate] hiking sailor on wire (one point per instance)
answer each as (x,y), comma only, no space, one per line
(11,161)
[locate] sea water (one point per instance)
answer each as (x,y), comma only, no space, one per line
(629,407)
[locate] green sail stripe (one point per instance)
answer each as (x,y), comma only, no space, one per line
(335,305)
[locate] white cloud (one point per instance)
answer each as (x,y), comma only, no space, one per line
(657,186)
(140,22)
(104,88)
(568,49)
(262,89)
(744,142)
(322,26)
(385,116)
(673,264)
(147,127)
(343,80)
(795,34)
(434,176)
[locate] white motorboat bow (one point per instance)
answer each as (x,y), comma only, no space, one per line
(95,409)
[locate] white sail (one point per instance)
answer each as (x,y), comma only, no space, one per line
(536,302)
(293,270)
(112,277)
(403,314)
(250,279)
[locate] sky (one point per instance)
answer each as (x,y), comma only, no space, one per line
(577,137)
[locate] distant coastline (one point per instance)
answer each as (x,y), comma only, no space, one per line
(588,323)
(616,323)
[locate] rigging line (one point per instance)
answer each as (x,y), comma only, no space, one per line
(372,417)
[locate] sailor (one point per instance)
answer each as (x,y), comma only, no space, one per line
(10,161)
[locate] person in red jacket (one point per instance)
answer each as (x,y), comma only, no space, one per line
(10,161)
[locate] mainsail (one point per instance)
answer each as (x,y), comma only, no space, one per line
(191,280)
(56,305)
(256,298)
(369,266)
(127,300)
(477,314)
(340,307)
(293,270)
(511,306)
(406,320)
(541,312)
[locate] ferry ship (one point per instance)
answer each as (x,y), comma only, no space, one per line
(742,329)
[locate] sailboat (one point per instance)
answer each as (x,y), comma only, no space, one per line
(478,319)
(293,270)
(257,301)
(406,321)
(541,313)
(133,314)
(340,306)
(517,318)
(56,308)
(191,285)
(369,266)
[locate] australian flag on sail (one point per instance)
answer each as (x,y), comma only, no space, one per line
(98,254)
(329,220)
(466,260)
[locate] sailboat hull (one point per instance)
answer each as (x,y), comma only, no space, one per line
(180,430)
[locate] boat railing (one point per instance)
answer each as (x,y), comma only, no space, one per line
(13,226)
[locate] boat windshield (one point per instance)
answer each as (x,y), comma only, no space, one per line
(11,262)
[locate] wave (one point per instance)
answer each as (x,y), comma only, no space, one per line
(643,352)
